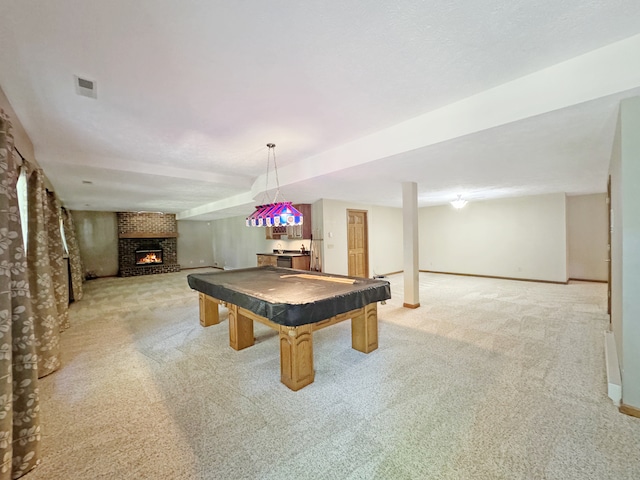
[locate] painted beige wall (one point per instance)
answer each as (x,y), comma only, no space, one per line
(587,228)
(385,237)
(522,237)
(97,234)
(195,244)
(234,244)
(98,240)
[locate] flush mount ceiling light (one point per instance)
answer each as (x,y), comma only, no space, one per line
(276,213)
(459,202)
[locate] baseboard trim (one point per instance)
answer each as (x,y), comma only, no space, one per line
(586,280)
(496,276)
(387,274)
(410,305)
(614,379)
(629,410)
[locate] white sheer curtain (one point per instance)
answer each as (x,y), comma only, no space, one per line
(75,262)
(23,202)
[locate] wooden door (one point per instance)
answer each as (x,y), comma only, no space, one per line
(609,248)
(357,243)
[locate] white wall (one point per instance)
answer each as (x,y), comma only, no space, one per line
(385,240)
(625,248)
(283,244)
(615,167)
(521,237)
(385,237)
(195,247)
(630,124)
(317,244)
(587,233)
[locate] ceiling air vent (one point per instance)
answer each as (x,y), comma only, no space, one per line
(86,88)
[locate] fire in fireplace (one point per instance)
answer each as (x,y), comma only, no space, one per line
(149,256)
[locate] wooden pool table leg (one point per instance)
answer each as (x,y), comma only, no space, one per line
(240,329)
(364,329)
(208,311)
(296,356)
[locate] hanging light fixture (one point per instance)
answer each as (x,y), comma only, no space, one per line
(459,202)
(274,214)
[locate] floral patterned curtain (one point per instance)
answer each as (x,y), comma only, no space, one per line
(75,261)
(43,295)
(19,402)
(57,262)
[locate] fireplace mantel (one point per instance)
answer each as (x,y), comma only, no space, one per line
(147,235)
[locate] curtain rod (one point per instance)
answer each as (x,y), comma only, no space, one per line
(18,152)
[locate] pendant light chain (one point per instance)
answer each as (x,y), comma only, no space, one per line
(275,168)
(272,150)
(265,195)
(274,214)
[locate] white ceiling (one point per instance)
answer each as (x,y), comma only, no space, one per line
(488,99)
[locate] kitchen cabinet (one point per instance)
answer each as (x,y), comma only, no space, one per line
(302,262)
(264,260)
(295,232)
(301,232)
(297,261)
(275,233)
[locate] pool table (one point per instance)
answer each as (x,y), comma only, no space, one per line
(295,303)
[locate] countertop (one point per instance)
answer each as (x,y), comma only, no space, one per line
(286,253)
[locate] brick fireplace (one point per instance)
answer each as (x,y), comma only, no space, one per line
(143,233)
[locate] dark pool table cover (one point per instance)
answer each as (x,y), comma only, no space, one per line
(290,301)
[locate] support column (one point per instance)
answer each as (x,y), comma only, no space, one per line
(410,244)
(625,307)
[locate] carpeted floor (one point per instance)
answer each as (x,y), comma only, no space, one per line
(489,379)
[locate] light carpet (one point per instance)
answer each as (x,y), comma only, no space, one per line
(488,379)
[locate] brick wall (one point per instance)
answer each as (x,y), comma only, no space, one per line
(132,222)
(153,228)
